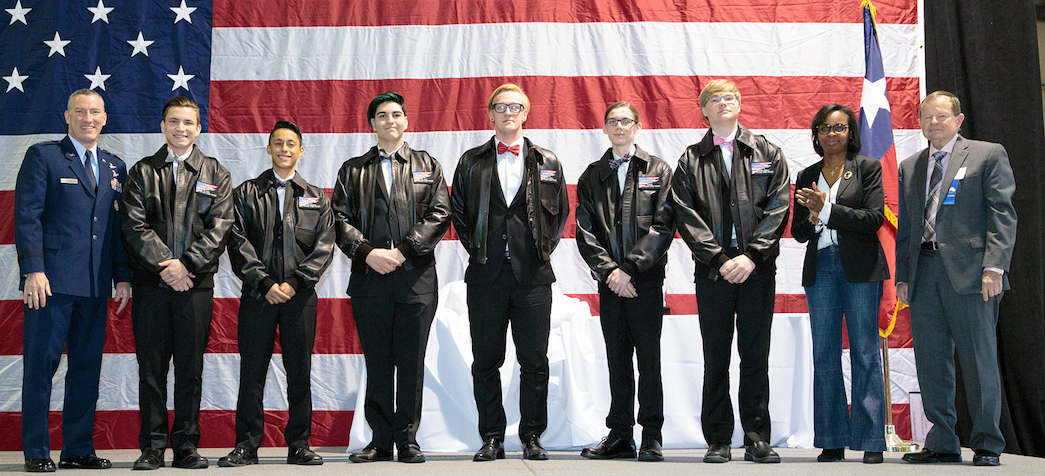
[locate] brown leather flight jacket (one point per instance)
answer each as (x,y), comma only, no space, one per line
(426,199)
(637,238)
(547,202)
(307,227)
(759,201)
(191,224)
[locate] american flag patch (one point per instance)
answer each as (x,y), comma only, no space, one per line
(761,168)
(206,188)
(308,202)
(423,177)
(651,182)
(551,176)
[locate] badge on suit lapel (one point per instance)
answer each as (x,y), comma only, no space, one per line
(116,205)
(116,185)
(848,175)
(952,190)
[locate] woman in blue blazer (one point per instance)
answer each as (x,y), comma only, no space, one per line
(839,206)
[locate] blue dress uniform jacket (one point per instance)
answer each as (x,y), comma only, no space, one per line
(60,222)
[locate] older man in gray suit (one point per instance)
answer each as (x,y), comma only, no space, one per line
(954,242)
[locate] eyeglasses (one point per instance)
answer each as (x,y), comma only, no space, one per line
(829,128)
(514,107)
(623,122)
(724,98)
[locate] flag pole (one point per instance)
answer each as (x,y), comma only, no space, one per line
(893,442)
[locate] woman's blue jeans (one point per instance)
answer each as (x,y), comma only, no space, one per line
(830,299)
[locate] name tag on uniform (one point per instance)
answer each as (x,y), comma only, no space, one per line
(70,181)
(952,191)
(649,183)
(549,176)
(761,168)
(206,188)
(423,177)
(308,202)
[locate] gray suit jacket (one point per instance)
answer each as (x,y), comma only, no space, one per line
(977,231)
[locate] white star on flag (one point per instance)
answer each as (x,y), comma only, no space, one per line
(101,12)
(97,79)
(18,14)
(181,80)
(873,99)
(140,45)
(57,45)
(15,81)
(183,12)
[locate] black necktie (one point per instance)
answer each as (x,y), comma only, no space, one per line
(89,167)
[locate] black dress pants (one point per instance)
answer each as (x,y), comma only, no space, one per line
(632,329)
(256,336)
(752,304)
(393,320)
(528,308)
(170,323)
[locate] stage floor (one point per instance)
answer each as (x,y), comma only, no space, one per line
(677,462)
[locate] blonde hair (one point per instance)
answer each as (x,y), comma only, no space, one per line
(504,88)
(716,87)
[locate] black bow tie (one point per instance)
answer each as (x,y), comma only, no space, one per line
(276,182)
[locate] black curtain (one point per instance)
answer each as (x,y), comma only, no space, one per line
(987,55)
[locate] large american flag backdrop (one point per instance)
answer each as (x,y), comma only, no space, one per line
(318,63)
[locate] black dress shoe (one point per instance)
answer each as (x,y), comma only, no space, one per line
(929,456)
(189,459)
(151,458)
(873,457)
(85,462)
(718,453)
(830,455)
(493,448)
(761,452)
(39,465)
(370,454)
(533,449)
(650,451)
(238,457)
(303,456)
(411,453)
(986,458)
(611,447)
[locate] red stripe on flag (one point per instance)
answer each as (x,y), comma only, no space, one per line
(333,316)
(339,336)
(7,217)
(459,104)
(300,13)
(119,429)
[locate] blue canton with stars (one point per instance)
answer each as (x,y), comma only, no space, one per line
(136,53)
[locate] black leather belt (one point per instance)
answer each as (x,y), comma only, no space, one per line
(929,245)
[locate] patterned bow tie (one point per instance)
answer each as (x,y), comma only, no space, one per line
(276,182)
(501,148)
(615,162)
(719,140)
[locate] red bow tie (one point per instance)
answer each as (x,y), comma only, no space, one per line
(719,140)
(501,148)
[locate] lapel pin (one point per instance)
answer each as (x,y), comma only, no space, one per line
(848,175)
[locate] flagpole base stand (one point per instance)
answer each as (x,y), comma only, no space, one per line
(893,442)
